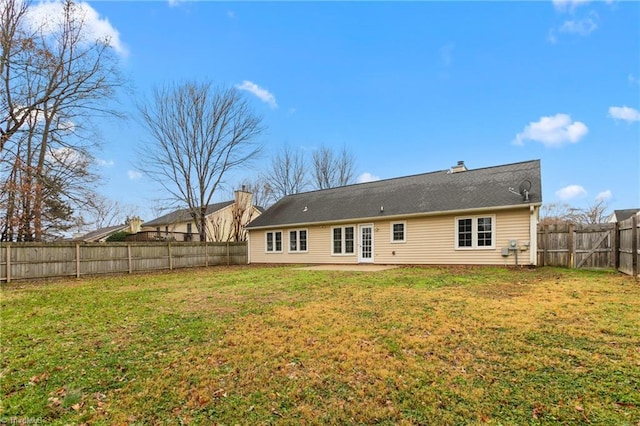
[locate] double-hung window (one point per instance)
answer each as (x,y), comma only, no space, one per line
(475,232)
(273,242)
(343,240)
(298,240)
(398,232)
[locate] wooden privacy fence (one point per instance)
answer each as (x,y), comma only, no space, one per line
(47,260)
(629,250)
(601,246)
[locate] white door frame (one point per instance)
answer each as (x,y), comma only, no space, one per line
(361,256)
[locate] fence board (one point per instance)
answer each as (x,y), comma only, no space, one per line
(629,242)
(48,260)
(577,246)
(602,246)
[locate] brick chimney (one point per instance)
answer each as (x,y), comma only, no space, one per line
(244,199)
(460,167)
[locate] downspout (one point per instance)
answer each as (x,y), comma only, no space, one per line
(248,248)
(533,235)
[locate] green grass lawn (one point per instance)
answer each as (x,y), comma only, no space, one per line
(251,345)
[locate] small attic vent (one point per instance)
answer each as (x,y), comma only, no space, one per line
(460,167)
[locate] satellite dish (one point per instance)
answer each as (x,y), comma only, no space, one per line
(523,190)
(525,185)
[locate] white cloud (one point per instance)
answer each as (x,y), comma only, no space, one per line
(104,163)
(624,113)
(367,177)
(568,5)
(553,131)
(134,175)
(65,155)
(49,15)
(571,191)
(604,195)
(581,27)
(263,94)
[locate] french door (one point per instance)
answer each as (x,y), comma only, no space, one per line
(365,245)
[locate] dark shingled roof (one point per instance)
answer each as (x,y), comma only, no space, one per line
(428,193)
(183,215)
(100,233)
(625,214)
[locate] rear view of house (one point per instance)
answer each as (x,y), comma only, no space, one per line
(457,216)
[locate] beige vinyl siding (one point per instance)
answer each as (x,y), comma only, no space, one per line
(318,247)
(429,240)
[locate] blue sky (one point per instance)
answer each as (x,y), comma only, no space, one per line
(407,87)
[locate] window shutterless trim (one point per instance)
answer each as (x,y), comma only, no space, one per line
(475,232)
(343,241)
(392,240)
(298,240)
(273,241)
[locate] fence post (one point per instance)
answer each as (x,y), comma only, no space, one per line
(8,274)
(170,258)
(228,255)
(634,244)
(77,260)
(129,258)
(545,249)
(206,258)
(570,248)
(615,246)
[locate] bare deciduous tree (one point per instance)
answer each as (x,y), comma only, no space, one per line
(54,79)
(593,214)
(198,133)
(286,174)
(330,170)
(261,190)
(241,215)
(555,213)
(101,212)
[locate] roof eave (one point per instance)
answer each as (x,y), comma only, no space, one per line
(398,216)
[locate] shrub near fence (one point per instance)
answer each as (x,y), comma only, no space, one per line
(48,260)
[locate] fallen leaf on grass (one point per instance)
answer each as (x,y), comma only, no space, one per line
(37,379)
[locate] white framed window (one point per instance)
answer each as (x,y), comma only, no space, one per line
(475,232)
(398,232)
(273,242)
(343,240)
(298,241)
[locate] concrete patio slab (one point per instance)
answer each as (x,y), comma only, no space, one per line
(353,268)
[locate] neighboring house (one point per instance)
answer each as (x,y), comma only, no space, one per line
(456,216)
(620,215)
(222,220)
(101,235)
